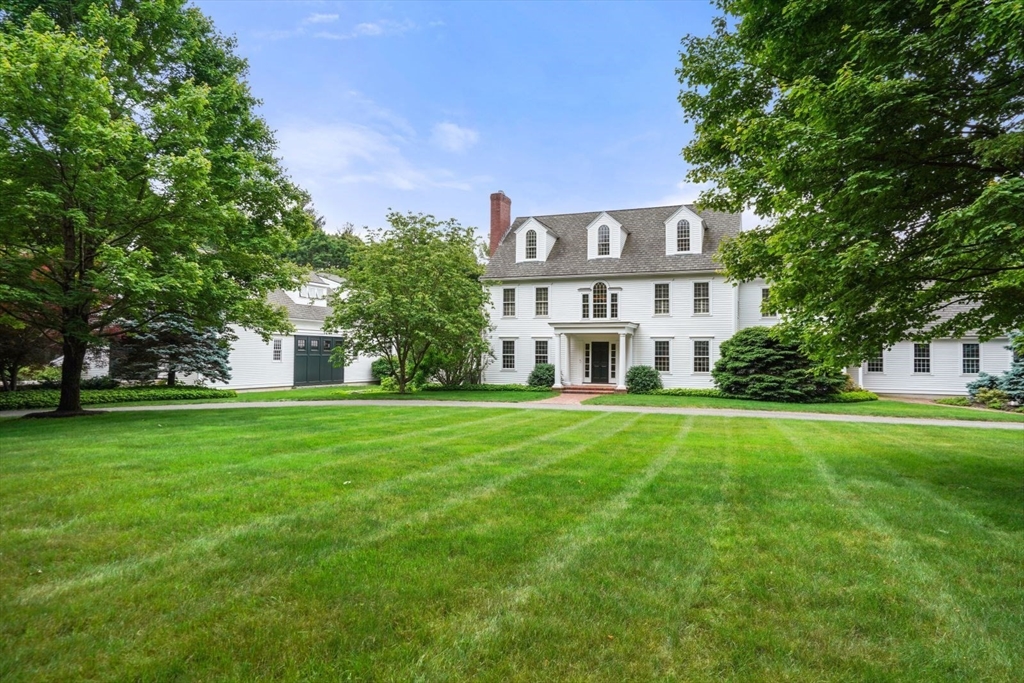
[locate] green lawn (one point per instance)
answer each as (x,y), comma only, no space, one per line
(886,407)
(449,544)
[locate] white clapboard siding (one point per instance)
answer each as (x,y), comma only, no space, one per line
(946,376)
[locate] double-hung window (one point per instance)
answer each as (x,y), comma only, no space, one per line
(661,299)
(614,305)
(683,235)
(604,241)
(702,355)
(922,358)
(662,361)
(971,358)
(508,354)
(600,300)
(531,244)
(277,350)
(541,301)
(701,298)
(540,351)
(585,313)
(765,312)
(876,364)
(508,306)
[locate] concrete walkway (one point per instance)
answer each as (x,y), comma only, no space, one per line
(542,405)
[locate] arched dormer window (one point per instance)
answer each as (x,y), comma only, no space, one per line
(531,244)
(683,235)
(604,241)
(600,297)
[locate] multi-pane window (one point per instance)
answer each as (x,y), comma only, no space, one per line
(683,235)
(661,299)
(701,355)
(701,297)
(972,359)
(541,301)
(540,351)
(531,244)
(612,360)
(277,349)
(508,308)
(585,313)
(508,354)
(586,361)
(922,358)
(301,343)
(661,357)
(614,298)
(600,300)
(314,343)
(765,292)
(876,364)
(604,241)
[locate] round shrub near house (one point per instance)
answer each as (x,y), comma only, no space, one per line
(381,368)
(642,379)
(543,375)
(756,364)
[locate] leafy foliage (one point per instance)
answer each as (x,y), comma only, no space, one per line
(137,176)
(756,364)
(883,143)
(954,401)
(22,346)
(853,396)
(173,344)
(412,288)
(642,379)
(984,381)
(684,391)
(382,367)
(322,250)
(455,366)
(488,387)
(47,398)
(997,399)
(543,375)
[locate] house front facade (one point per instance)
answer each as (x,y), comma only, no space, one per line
(596,293)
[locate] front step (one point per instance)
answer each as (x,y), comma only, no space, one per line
(589,389)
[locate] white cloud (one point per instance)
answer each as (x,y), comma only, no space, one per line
(688,193)
(320,19)
(325,155)
(376,112)
(454,138)
(383,27)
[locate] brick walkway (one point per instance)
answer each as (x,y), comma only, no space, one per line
(567,399)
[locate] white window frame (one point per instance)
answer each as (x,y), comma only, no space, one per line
(277,350)
(594,310)
(927,359)
(531,233)
(682,224)
(505,355)
(586,362)
(964,358)
(695,356)
(612,359)
(880,359)
(667,299)
(765,291)
(537,302)
(695,298)
(585,306)
(508,304)
(613,305)
(537,354)
(604,240)
(667,356)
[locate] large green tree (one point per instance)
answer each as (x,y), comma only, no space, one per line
(322,250)
(410,289)
(883,144)
(135,177)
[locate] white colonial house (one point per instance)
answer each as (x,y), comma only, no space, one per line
(298,359)
(595,293)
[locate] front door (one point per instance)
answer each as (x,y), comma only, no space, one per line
(599,363)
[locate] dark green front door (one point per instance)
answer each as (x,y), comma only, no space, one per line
(599,363)
(313,361)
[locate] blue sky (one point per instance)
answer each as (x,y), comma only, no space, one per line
(432,106)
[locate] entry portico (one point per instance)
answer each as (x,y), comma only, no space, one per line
(593,352)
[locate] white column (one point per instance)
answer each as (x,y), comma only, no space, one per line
(558,361)
(621,374)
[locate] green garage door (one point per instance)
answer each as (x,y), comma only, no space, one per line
(313,361)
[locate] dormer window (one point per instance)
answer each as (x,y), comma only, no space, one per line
(531,244)
(683,235)
(604,243)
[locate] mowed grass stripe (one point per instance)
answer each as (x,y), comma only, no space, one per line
(967,646)
(187,548)
(463,637)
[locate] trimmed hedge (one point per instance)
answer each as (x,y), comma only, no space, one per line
(543,375)
(954,401)
(680,391)
(49,398)
(852,397)
(642,379)
(487,387)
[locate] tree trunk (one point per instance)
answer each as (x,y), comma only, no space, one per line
(13,385)
(170,377)
(71,376)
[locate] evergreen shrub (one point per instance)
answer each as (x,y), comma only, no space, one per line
(46,398)
(755,364)
(543,375)
(642,379)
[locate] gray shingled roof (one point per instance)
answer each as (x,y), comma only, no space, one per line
(643,252)
(298,311)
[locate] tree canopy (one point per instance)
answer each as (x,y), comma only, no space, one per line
(174,345)
(322,250)
(413,288)
(137,179)
(883,143)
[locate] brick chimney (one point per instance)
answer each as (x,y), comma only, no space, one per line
(501,218)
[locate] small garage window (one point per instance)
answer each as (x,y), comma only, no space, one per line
(314,343)
(327,344)
(301,343)
(277,350)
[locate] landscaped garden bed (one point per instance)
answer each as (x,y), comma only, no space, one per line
(50,398)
